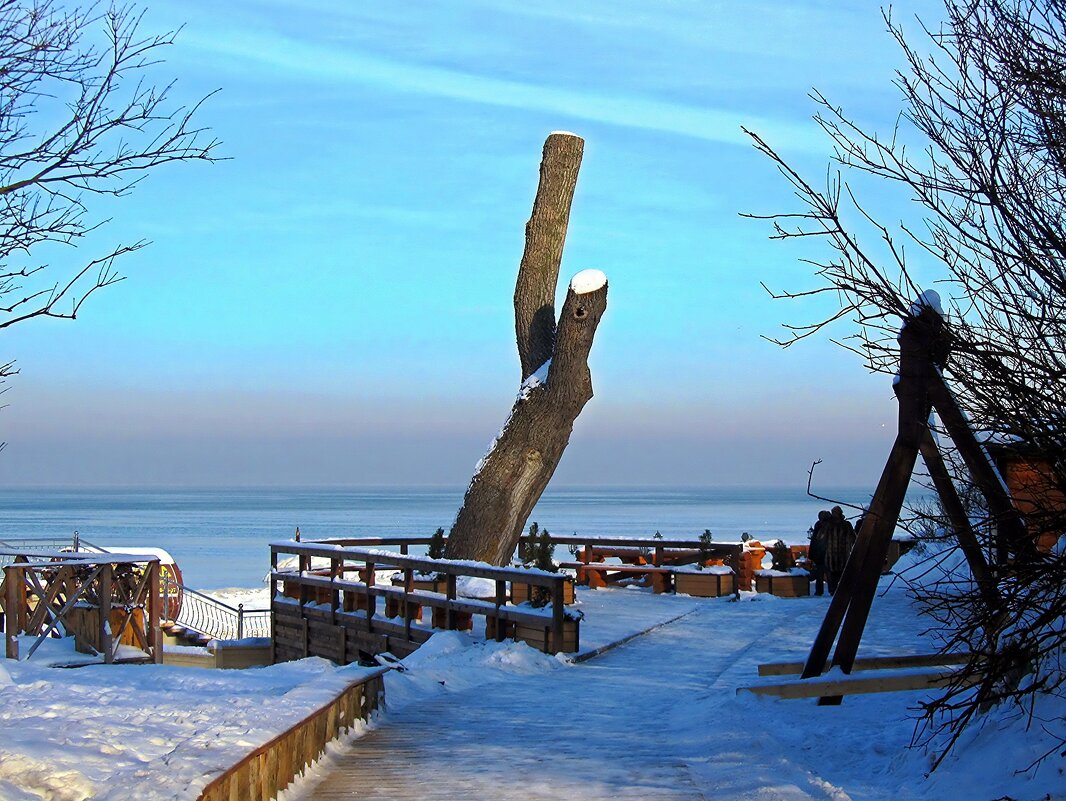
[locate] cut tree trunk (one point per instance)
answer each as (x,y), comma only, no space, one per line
(556,382)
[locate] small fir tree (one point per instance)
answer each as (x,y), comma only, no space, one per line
(436,545)
(783,560)
(527,547)
(704,548)
(543,552)
(435,550)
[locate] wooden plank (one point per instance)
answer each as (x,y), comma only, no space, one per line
(390,560)
(155,611)
(272,766)
(982,471)
(871,663)
(858,685)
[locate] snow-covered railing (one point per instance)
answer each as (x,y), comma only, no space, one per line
(104,601)
(331,602)
(659,550)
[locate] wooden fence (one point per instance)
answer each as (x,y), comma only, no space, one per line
(330,607)
(269,769)
(103,601)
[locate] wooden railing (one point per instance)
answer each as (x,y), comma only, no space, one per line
(269,769)
(658,549)
(103,601)
(655,550)
(330,607)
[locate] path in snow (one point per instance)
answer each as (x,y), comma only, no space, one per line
(638,722)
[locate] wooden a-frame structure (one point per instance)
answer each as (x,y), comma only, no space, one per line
(920,388)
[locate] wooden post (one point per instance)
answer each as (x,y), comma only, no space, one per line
(22,606)
(558,614)
(408,578)
(12,581)
(501,598)
(273,600)
(155,631)
(104,596)
(371,598)
(449,612)
(917,341)
(854,595)
(334,595)
(305,565)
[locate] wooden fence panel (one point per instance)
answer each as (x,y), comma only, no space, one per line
(272,767)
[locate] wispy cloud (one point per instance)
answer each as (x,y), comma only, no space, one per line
(294,57)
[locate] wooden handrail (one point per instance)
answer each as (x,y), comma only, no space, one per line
(561,539)
(421,597)
(349,606)
(388,559)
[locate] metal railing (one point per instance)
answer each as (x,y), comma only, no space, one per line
(208,616)
(28,545)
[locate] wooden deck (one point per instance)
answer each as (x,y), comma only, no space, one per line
(528,744)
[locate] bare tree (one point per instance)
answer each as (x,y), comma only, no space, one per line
(556,381)
(987,104)
(77,119)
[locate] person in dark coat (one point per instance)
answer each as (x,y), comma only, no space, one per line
(839,539)
(816,551)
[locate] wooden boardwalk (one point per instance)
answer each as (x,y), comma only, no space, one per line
(528,736)
(599,730)
(657,718)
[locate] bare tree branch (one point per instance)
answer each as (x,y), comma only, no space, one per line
(985,103)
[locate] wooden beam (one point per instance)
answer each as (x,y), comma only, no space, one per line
(859,685)
(154,611)
(982,471)
(879,519)
(960,522)
(104,595)
(62,613)
(871,663)
(12,581)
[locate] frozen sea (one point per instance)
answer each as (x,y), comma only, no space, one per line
(219,537)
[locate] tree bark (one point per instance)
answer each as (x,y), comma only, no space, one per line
(556,381)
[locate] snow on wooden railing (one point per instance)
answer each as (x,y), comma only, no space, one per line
(103,601)
(325,601)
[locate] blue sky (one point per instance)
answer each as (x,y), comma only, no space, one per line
(332,304)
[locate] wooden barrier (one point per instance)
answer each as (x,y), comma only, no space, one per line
(319,611)
(269,769)
(102,600)
(843,684)
(882,674)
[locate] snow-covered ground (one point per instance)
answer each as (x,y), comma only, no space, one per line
(152,732)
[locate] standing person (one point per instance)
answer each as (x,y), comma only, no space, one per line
(816,551)
(839,539)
